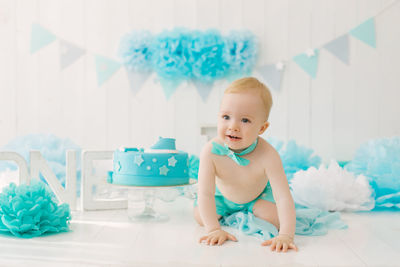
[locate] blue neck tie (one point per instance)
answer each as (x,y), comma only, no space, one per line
(225,151)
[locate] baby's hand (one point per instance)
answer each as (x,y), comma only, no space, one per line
(282,241)
(217,237)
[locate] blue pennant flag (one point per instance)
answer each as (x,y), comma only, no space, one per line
(339,47)
(365,32)
(40,37)
(137,79)
(203,89)
(105,68)
(169,86)
(272,76)
(308,63)
(69,53)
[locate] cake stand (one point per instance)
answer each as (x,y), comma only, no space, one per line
(141,199)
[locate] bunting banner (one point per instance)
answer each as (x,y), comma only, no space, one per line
(365,32)
(169,86)
(203,89)
(272,75)
(105,68)
(339,47)
(308,62)
(40,37)
(137,79)
(69,53)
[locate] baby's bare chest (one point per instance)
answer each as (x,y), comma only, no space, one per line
(230,172)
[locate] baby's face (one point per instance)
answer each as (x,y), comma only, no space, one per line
(241,119)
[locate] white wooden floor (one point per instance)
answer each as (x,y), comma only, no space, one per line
(108,238)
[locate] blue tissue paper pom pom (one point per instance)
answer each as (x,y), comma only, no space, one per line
(135,50)
(379,161)
(206,56)
(194,163)
(31,210)
(52,148)
(294,157)
(171,57)
(240,52)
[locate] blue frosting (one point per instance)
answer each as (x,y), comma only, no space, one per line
(136,167)
(31,210)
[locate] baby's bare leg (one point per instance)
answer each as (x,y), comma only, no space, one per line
(198,217)
(267,211)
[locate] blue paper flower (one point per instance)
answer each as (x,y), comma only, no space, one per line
(294,157)
(194,163)
(50,146)
(31,210)
(379,160)
(206,56)
(240,52)
(135,50)
(171,57)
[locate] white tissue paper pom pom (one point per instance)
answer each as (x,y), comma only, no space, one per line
(332,189)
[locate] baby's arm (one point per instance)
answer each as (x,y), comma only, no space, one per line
(206,200)
(284,203)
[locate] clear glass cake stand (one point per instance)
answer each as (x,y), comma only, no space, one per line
(141,199)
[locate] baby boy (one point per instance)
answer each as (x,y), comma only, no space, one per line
(240,171)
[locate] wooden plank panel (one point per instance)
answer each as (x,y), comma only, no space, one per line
(118,91)
(275,49)
(94,96)
(186,108)
(298,84)
(49,101)
(322,87)
(344,91)
(8,71)
(72,79)
(389,78)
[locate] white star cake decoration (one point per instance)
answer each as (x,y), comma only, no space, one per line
(164,170)
(172,161)
(138,160)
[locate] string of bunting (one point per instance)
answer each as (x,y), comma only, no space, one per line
(201,57)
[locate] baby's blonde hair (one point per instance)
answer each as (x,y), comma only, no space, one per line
(252,85)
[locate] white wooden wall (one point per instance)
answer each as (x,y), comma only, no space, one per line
(343,107)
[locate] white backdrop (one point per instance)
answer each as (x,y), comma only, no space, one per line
(343,107)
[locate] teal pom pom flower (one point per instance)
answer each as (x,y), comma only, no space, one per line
(295,157)
(135,50)
(379,161)
(28,211)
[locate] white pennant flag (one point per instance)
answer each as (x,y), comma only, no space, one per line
(137,79)
(69,53)
(272,75)
(340,48)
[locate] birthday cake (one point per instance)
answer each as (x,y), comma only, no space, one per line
(161,165)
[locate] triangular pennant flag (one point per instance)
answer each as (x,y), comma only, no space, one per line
(365,32)
(272,75)
(40,37)
(340,48)
(105,68)
(203,88)
(69,53)
(308,63)
(169,86)
(137,79)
